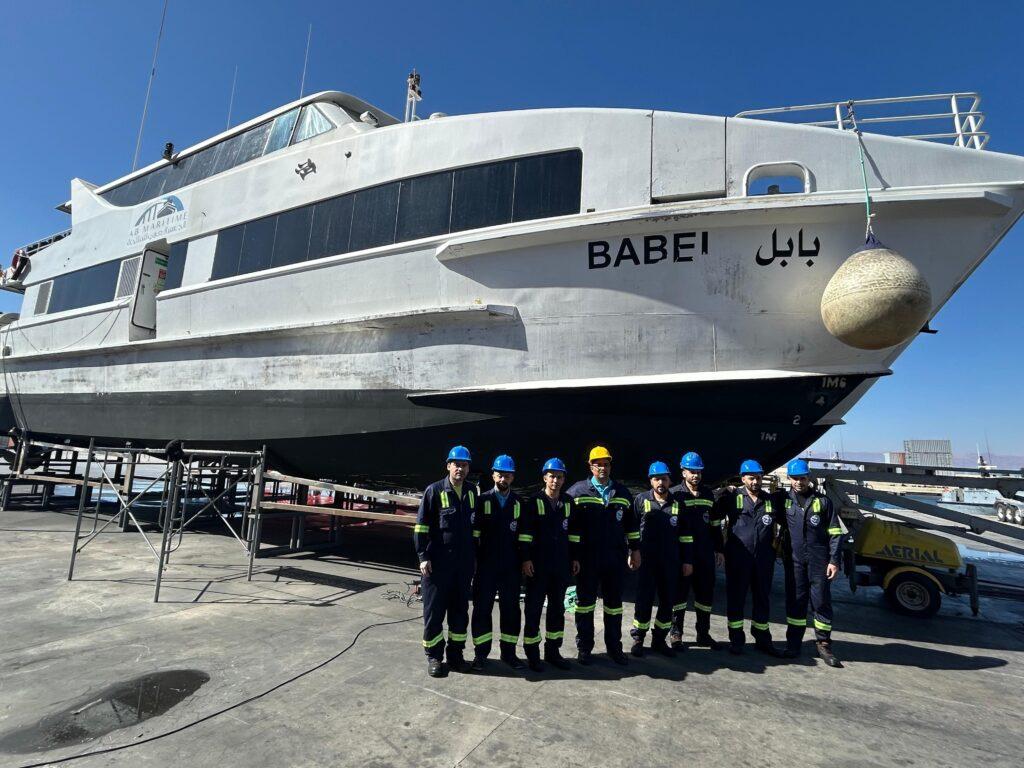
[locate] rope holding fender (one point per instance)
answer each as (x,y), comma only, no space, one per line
(869,234)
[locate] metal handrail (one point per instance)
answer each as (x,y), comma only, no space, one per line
(967,119)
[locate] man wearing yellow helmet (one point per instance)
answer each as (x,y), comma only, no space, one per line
(610,539)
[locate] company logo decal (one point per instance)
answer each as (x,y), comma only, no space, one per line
(160,217)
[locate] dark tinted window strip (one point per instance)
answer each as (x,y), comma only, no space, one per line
(84,287)
(421,206)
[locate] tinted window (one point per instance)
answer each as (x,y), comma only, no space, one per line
(85,287)
(311,123)
(482,196)
(177,173)
(227,151)
(175,265)
(257,245)
(225,258)
(128,194)
(332,222)
(548,185)
(157,179)
(291,243)
(281,131)
(252,143)
(424,206)
(373,217)
(202,165)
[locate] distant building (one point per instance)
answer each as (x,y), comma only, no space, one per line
(929,453)
(894,457)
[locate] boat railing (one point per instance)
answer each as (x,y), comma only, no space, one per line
(928,117)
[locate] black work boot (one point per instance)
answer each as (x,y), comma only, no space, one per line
(825,651)
(457,663)
(533,658)
(705,640)
(586,658)
(736,648)
(637,649)
(767,647)
(661,647)
(435,668)
(791,651)
(554,657)
(513,661)
(479,663)
(675,639)
(616,655)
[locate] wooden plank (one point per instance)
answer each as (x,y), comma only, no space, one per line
(412,501)
(333,511)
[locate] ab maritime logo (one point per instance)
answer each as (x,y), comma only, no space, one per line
(159,218)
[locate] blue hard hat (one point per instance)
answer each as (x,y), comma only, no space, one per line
(692,461)
(658,468)
(553,465)
(751,467)
(504,463)
(798,468)
(459,453)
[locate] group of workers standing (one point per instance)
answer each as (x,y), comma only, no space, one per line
(482,546)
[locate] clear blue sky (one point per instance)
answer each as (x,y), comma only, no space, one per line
(74,78)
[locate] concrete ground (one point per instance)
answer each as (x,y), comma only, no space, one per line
(940,692)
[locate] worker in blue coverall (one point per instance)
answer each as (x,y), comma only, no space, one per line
(666,549)
(812,537)
(750,557)
(498,566)
(443,537)
(549,546)
(705,523)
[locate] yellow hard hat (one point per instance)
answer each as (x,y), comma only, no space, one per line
(599,452)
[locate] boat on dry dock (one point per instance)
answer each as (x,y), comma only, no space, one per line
(358,293)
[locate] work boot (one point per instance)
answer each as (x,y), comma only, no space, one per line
(457,663)
(637,649)
(675,639)
(586,658)
(435,668)
(616,655)
(661,647)
(736,648)
(825,651)
(512,660)
(705,640)
(767,647)
(479,664)
(555,658)
(535,664)
(791,652)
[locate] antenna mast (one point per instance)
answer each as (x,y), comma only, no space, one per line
(149,87)
(305,62)
(231,100)
(412,95)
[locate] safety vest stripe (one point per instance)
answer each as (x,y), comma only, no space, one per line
(525,537)
(686,539)
(739,501)
(699,502)
(641,624)
(612,611)
(662,624)
(796,622)
(589,500)
(444,498)
(471,499)
(515,511)
(816,505)
(554,635)
(457,637)
(531,640)
(621,502)
(509,638)
(540,507)
(675,507)
(762,626)
(835,531)
(647,505)
(679,607)
(736,624)
(476,534)
(574,538)
(822,626)
(483,639)
(421,528)
(487,507)
(633,535)
(584,608)
(702,607)
(434,641)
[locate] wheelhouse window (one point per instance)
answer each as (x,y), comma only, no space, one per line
(286,129)
(433,204)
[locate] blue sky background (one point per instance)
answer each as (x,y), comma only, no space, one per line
(73,79)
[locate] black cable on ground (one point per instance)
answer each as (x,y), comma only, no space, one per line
(219,712)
